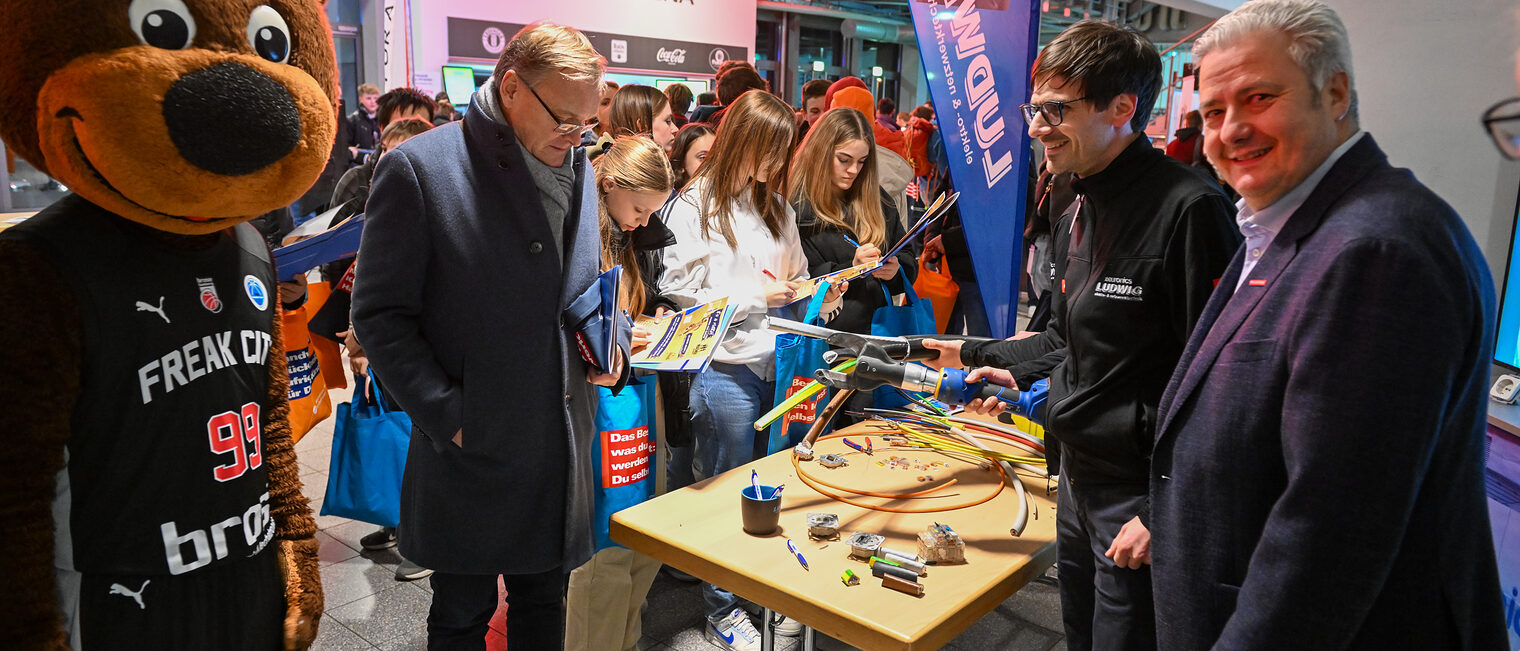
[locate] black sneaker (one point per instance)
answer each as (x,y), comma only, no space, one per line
(409,571)
(382,539)
(678,575)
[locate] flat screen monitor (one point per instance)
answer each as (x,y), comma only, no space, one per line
(697,86)
(1507,348)
(459,83)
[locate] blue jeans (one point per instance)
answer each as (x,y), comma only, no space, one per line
(969,311)
(678,468)
(726,399)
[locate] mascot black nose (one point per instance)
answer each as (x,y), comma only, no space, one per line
(230,119)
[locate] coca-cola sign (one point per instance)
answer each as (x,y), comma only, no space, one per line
(671,57)
(483,40)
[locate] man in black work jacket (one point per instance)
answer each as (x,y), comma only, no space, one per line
(1137,255)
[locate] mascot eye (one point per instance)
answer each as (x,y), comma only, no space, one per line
(268,34)
(163,24)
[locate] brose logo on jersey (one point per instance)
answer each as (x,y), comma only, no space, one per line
(216,541)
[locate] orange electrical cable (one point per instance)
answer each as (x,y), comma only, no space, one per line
(890,496)
(818,485)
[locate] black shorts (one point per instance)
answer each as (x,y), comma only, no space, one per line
(239,605)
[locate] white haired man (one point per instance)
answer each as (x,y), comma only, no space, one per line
(1317,480)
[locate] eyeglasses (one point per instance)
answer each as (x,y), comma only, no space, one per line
(1054,111)
(565,127)
(1502,121)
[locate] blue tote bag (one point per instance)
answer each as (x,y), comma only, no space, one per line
(368,457)
(797,357)
(914,317)
(624,452)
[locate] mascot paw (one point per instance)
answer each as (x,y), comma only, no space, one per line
(303,592)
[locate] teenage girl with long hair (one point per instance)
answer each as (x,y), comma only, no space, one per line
(633,186)
(843,216)
(692,144)
(737,237)
(642,111)
(687,153)
(633,179)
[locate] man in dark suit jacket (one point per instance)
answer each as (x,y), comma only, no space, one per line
(1317,480)
(477,239)
(1142,248)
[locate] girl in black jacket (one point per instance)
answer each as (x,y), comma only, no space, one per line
(844,217)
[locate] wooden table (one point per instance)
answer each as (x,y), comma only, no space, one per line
(697,529)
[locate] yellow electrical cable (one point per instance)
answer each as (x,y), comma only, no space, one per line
(937,442)
(796,399)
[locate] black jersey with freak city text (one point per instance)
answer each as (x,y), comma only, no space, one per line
(165,470)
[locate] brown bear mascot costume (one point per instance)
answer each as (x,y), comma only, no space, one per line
(149,491)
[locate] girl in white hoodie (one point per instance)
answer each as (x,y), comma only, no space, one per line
(736,236)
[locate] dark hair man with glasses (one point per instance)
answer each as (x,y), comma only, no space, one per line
(477,238)
(1318,476)
(1136,256)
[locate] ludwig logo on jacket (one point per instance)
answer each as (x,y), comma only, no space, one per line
(1121,288)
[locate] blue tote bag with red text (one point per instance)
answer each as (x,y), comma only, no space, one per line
(797,358)
(624,452)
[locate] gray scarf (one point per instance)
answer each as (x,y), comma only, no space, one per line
(555,184)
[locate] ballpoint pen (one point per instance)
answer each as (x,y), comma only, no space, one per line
(754,480)
(800,559)
(775,493)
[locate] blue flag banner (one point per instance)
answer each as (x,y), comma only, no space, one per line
(977,55)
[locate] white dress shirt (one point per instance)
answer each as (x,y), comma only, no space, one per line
(1261,226)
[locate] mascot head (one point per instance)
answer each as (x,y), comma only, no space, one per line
(187,116)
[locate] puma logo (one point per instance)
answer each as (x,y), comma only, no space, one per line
(117,588)
(144,307)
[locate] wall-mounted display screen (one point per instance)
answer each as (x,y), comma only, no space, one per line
(459,83)
(697,86)
(1507,348)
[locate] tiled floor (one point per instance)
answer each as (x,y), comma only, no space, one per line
(368,609)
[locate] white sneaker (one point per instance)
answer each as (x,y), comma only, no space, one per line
(735,633)
(787,626)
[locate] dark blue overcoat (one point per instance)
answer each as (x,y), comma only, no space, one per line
(457,302)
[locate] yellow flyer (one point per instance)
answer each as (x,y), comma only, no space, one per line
(810,286)
(686,340)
